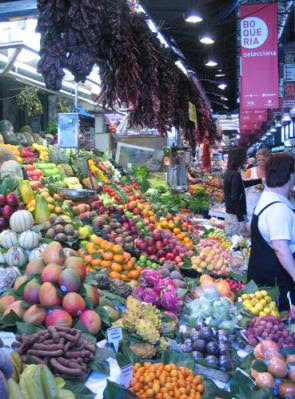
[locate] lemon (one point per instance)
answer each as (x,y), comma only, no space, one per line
(263,302)
(245,297)
(259,307)
(268,298)
(264,293)
(267,311)
(258,295)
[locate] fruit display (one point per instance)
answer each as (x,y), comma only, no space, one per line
(220,285)
(42,150)
(214,310)
(212,345)
(268,327)
(165,381)
(59,228)
(278,369)
(102,254)
(142,319)
(170,223)
(260,303)
(56,280)
(35,381)
(235,285)
(9,203)
(28,155)
(163,246)
(212,258)
(158,291)
(61,348)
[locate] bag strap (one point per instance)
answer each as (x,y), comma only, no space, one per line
(267,206)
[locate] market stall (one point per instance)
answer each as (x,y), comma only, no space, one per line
(115,282)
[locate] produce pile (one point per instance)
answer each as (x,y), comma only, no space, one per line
(125,259)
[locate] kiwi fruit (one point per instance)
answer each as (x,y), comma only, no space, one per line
(61,237)
(59,228)
(70,238)
(50,233)
(47,225)
(69,229)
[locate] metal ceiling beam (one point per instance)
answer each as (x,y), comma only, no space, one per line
(18,9)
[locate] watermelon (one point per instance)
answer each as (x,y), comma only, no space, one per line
(29,138)
(6,129)
(21,138)
(26,129)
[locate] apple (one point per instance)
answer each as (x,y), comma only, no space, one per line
(2,200)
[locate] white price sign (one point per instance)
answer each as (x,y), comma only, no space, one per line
(115,336)
(7,338)
(126,375)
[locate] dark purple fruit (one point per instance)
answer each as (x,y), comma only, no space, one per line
(206,333)
(197,355)
(211,360)
(223,348)
(212,348)
(225,363)
(199,345)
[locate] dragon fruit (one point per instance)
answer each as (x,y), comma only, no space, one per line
(150,277)
(170,301)
(150,296)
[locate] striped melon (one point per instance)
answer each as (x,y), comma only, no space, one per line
(21,221)
(29,239)
(8,239)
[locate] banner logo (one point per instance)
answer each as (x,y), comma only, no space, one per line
(254,32)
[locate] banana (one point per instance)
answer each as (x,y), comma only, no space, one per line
(29,370)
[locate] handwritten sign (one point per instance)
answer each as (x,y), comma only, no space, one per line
(115,336)
(126,375)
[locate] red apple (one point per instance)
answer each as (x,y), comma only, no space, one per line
(2,200)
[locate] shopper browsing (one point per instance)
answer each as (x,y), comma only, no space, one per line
(273,231)
(256,172)
(234,193)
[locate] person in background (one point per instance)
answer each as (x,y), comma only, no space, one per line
(257,172)
(234,193)
(272,253)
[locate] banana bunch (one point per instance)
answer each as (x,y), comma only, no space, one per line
(43,152)
(29,100)
(35,381)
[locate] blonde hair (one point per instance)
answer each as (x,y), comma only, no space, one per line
(264,152)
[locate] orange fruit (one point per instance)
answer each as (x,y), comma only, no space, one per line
(118,258)
(91,249)
(96,262)
(116,267)
(115,275)
(88,258)
(107,255)
(117,249)
(128,266)
(106,263)
(133,274)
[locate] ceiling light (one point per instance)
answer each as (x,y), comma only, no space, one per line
(238,136)
(273,129)
(207,39)
(223,98)
(220,75)
(269,133)
(193,16)
(211,62)
(222,86)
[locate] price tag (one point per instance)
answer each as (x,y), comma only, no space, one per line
(7,339)
(115,337)
(126,375)
(192,113)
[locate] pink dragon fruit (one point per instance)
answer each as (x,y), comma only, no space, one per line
(170,301)
(150,296)
(150,277)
